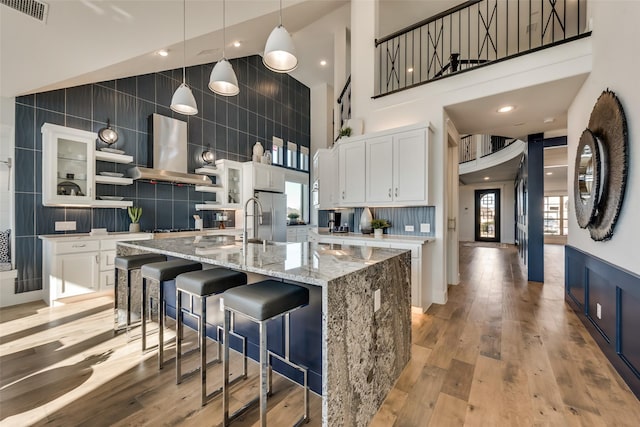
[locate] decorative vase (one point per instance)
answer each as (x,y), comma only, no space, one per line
(258,151)
(365,221)
(377,233)
(134,227)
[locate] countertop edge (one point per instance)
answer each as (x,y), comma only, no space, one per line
(390,238)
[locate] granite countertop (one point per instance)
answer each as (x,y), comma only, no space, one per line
(390,238)
(87,236)
(312,263)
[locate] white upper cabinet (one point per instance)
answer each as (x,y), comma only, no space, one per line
(379,171)
(351,173)
(324,179)
(410,167)
(389,168)
(68,166)
(264,177)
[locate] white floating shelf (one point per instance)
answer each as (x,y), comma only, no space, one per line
(112,157)
(208,171)
(100,179)
(208,188)
(111,204)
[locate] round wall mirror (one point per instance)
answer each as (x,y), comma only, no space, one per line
(585,174)
(587,180)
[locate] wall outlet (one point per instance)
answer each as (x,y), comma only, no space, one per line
(425,228)
(65,226)
(376,300)
(408,228)
(598,310)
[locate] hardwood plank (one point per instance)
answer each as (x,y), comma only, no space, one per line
(501,352)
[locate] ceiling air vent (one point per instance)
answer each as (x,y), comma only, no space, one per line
(33,8)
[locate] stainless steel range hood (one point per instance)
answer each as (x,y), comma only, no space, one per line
(162,175)
(169,155)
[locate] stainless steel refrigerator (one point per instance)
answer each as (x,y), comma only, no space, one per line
(274,216)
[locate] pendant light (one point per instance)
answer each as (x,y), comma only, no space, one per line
(183,101)
(223,80)
(279,51)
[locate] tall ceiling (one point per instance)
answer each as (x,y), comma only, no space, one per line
(86,41)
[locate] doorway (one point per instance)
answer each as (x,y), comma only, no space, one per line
(487,217)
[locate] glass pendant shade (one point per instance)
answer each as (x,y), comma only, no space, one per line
(183,101)
(279,51)
(223,80)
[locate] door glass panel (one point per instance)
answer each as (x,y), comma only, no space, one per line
(488,216)
(72,168)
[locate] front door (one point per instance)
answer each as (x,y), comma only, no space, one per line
(487,215)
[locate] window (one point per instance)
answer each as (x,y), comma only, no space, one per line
(277,151)
(556,210)
(304,158)
(295,198)
(292,155)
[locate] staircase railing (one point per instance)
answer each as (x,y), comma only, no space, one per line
(473,147)
(474,34)
(345,102)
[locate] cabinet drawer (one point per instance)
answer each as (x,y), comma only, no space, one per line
(77,246)
(108,245)
(107,280)
(107,260)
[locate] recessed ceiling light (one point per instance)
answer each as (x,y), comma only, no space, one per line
(549,120)
(506,109)
(410,69)
(236,44)
(323,62)
(163,52)
(549,173)
(486,178)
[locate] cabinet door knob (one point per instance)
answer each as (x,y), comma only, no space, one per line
(77,245)
(389,193)
(396,191)
(97,259)
(343,194)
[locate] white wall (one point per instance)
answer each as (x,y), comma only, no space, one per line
(426,103)
(615,67)
(7,144)
(467,210)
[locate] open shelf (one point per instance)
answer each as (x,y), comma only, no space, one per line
(101,179)
(112,157)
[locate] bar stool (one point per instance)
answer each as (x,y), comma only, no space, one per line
(161,272)
(203,284)
(130,263)
(262,302)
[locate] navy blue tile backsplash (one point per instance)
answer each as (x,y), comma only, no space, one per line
(269,104)
(397,217)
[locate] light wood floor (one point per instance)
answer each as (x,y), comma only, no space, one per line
(501,352)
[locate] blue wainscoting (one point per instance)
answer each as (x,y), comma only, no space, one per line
(590,281)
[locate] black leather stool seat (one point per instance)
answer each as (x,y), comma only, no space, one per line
(265,299)
(209,282)
(168,270)
(131,262)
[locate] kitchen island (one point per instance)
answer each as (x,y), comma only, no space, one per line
(363,348)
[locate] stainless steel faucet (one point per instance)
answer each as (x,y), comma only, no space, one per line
(246,215)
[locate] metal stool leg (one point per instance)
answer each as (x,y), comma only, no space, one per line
(161,314)
(143,314)
(225,381)
(178,336)
(264,368)
(203,351)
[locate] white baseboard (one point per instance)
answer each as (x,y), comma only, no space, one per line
(8,297)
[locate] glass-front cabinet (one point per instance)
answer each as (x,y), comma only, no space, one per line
(68,166)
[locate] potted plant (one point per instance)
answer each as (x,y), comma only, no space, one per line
(134,214)
(293,217)
(378,226)
(346,131)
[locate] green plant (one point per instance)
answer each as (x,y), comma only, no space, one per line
(344,132)
(293,215)
(135,214)
(379,223)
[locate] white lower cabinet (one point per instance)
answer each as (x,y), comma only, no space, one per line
(297,233)
(420,284)
(75,274)
(76,265)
